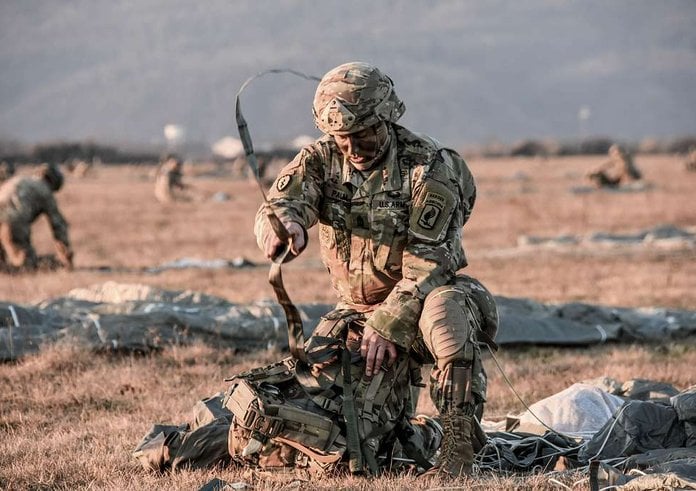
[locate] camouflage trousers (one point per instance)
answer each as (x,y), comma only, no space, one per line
(15,241)
(455,320)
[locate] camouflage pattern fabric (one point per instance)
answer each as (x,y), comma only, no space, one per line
(451,327)
(22,200)
(355,96)
(215,436)
(388,236)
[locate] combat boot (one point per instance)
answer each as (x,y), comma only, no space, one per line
(456,451)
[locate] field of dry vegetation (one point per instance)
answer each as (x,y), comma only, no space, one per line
(69,419)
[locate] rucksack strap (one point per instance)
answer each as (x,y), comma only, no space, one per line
(350,417)
(295,329)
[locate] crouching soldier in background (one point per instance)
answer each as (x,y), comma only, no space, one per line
(169,180)
(23,199)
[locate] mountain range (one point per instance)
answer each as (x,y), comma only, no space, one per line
(468,71)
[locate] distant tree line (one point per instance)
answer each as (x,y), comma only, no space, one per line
(64,151)
(61,152)
(588,146)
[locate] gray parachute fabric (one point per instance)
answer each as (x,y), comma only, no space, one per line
(138,318)
(132,317)
(648,440)
(637,427)
(202,444)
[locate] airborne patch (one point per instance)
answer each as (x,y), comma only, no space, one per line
(432,208)
(433,211)
(283,182)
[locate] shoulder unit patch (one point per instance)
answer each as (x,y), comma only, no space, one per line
(432,211)
(283,182)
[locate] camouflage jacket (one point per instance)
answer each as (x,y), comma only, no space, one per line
(23,199)
(388,236)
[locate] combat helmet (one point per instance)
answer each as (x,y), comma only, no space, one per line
(355,96)
(52,175)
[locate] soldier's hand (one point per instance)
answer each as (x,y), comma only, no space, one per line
(374,349)
(273,245)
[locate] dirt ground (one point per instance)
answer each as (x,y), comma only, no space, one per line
(116,222)
(69,419)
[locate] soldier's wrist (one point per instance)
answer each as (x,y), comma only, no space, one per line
(391,328)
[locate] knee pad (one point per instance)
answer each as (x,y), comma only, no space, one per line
(482,304)
(447,325)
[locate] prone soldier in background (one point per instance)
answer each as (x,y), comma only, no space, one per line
(23,199)
(619,169)
(391,205)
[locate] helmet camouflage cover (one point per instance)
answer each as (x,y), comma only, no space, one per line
(355,96)
(52,175)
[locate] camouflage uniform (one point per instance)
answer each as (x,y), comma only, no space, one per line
(22,200)
(7,170)
(168,179)
(619,169)
(391,238)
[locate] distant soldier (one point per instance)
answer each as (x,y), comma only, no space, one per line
(619,169)
(690,164)
(22,200)
(79,168)
(7,170)
(168,181)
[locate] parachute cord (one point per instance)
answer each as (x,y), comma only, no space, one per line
(242,126)
(512,388)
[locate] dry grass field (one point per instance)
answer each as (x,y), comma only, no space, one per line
(69,419)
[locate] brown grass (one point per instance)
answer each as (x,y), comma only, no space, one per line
(69,418)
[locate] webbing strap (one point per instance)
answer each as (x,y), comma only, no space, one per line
(275,277)
(351,419)
(321,458)
(292,315)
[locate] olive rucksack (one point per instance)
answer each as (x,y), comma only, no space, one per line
(323,414)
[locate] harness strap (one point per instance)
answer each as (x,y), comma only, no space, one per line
(275,277)
(351,419)
(292,315)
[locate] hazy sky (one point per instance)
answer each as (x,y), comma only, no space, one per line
(467,71)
